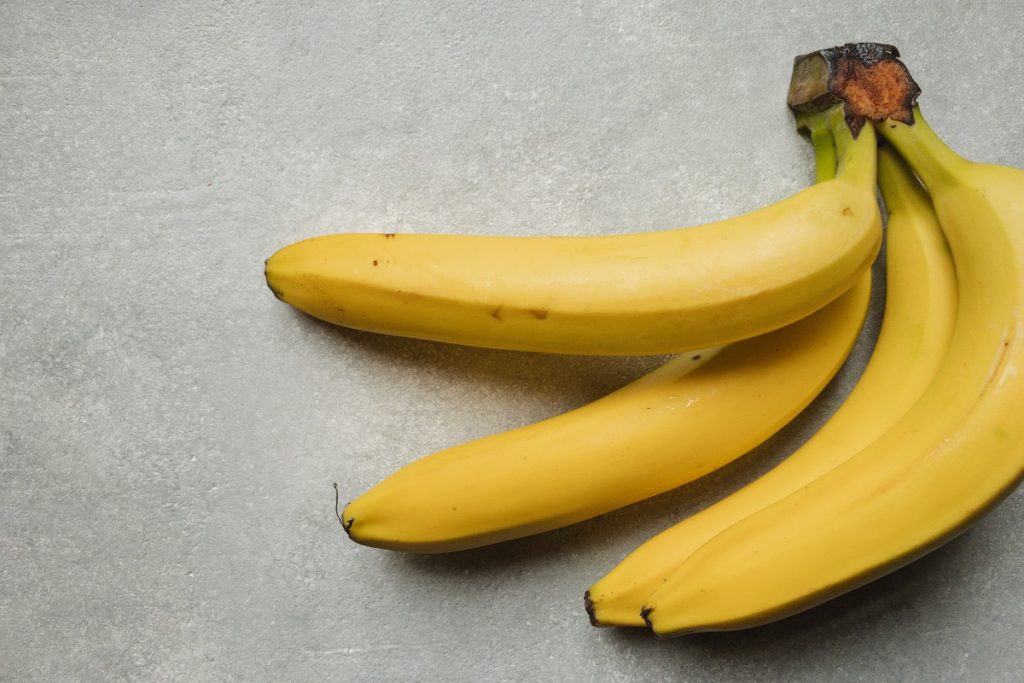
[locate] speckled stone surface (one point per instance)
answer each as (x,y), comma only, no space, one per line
(170,433)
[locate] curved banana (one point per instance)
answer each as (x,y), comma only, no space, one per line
(670,427)
(920,310)
(953,456)
(645,293)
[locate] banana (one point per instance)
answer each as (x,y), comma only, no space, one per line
(920,310)
(946,462)
(655,292)
(663,430)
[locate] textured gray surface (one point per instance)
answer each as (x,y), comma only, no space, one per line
(170,432)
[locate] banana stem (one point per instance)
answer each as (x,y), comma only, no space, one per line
(931,158)
(824,146)
(856,154)
(824,155)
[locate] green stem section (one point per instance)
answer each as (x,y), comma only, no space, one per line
(824,155)
(931,158)
(857,155)
(816,124)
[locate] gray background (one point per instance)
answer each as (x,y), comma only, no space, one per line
(170,432)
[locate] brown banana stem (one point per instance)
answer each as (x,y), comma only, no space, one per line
(868,78)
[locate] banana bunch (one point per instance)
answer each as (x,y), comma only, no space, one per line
(762,310)
(920,309)
(661,431)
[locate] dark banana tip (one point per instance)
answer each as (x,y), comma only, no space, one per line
(266,276)
(588,604)
(339,513)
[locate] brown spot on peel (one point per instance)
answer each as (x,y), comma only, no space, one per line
(496,313)
(868,78)
(539,314)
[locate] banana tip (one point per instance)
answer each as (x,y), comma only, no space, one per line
(266,276)
(346,524)
(588,604)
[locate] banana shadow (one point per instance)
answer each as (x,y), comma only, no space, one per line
(517,372)
(848,615)
(932,585)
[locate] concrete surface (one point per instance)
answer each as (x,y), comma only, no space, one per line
(170,433)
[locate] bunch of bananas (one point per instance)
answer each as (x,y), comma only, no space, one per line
(761,311)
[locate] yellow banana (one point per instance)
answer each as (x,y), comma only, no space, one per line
(645,293)
(918,323)
(953,456)
(663,430)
